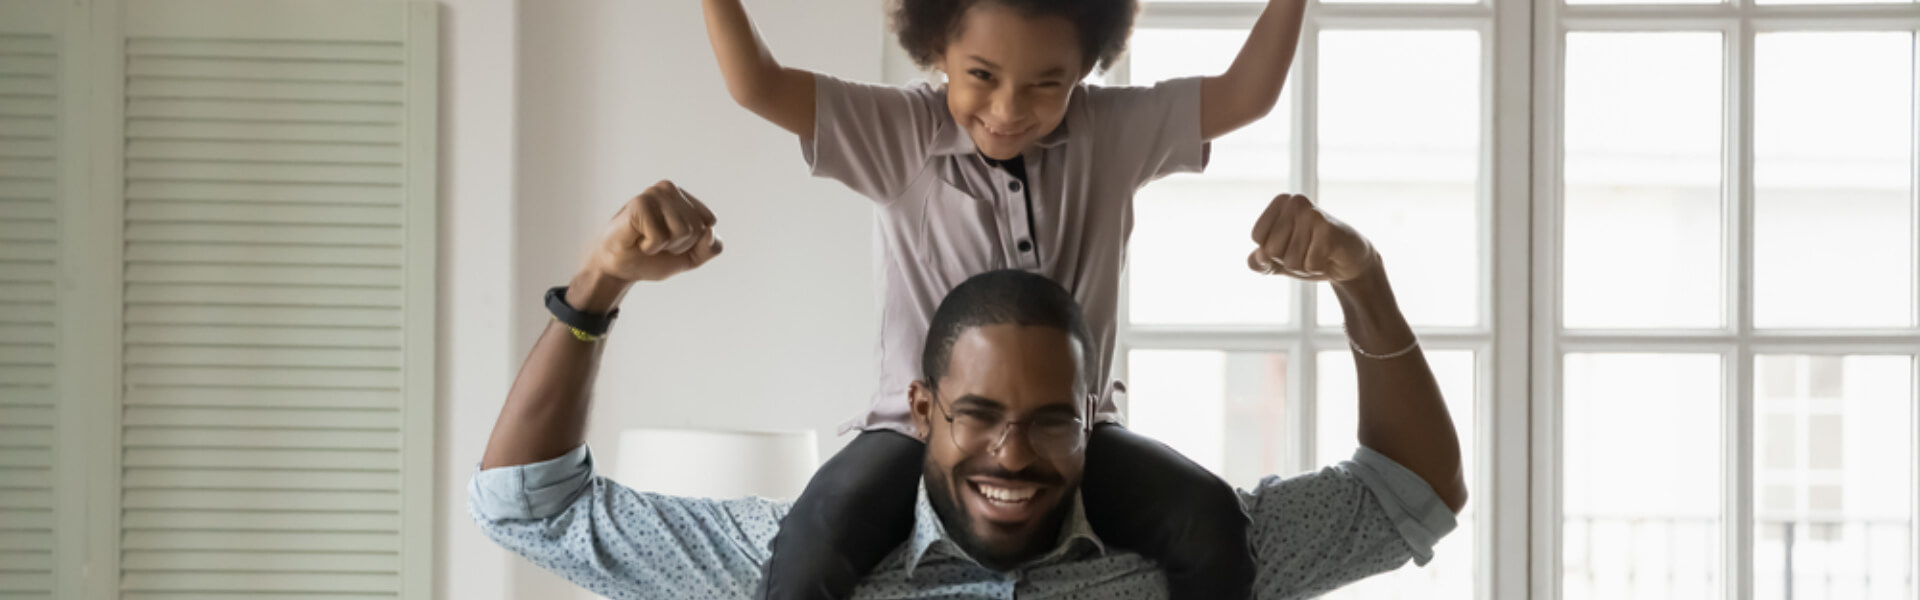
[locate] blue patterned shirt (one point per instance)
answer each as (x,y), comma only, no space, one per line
(1311,533)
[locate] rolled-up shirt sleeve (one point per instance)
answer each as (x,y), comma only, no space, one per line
(1316,532)
(618,542)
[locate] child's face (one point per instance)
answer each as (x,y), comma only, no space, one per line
(1009,76)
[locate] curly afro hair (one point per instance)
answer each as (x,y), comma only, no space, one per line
(925,26)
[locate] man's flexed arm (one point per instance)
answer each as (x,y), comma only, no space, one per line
(1402,414)
(658,234)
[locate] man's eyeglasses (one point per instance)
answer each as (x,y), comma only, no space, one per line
(974,430)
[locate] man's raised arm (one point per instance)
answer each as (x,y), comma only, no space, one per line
(658,234)
(1402,414)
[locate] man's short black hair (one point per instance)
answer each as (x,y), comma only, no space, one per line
(926,26)
(1007,296)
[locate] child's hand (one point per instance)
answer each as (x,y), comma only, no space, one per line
(1299,240)
(660,233)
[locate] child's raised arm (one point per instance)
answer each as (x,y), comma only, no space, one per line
(1250,88)
(756,81)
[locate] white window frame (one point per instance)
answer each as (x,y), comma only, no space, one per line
(1738,341)
(1519,345)
(1498,341)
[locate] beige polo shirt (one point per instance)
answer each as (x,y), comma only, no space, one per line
(943,214)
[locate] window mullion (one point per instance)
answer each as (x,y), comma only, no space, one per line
(1306,176)
(1739,504)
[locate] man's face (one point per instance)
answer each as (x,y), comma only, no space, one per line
(1005,498)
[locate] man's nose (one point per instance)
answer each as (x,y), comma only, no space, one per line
(1013,450)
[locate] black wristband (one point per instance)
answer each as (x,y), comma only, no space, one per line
(594,325)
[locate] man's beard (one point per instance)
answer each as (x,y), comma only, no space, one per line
(959,523)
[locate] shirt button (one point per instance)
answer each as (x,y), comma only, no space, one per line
(1013,185)
(1026,246)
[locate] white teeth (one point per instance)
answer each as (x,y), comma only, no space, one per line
(1005,494)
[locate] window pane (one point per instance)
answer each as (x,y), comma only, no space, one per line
(1834,499)
(1833,221)
(1400,160)
(1225,410)
(1336,409)
(1187,264)
(1640,465)
(1643,164)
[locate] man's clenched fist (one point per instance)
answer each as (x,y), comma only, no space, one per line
(1297,239)
(660,233)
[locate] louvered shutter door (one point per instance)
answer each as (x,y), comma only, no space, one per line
(29,249)
(278,234)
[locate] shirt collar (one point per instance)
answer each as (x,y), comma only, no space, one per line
(952,139)
(928,532)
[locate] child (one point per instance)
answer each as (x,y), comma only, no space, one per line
(1013,162)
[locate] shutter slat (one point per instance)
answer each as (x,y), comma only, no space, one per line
(26,354)
(164,520)
(207,191)
(377,420)
(36,189)
(293,337)
(28,107)
(247,540)
(21,148)
(263,459)
(230,212)
(305,275)
(260,582)
(261,357)
(280,562)
(30,86)
(273,316)
(254,110)
(28,45)
(265,254)
(204,48)
(19,478)
(262,152)
(26,457)
(180,437)
(16,64)
(25,582)
(269,377)
(26,375)
(27,270)
(190,129)
(255,233)
(27,560)
(259,479)
(26,231)
(258,500)
(299,91)
(24,396)
(22,416)
(26,520)
(27,499)
(262,397)
(27,127)
(25,437)
(249,69)
(30,251)
(312,174)
(27,167)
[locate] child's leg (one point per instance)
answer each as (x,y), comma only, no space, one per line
(1144,497)
(856,510)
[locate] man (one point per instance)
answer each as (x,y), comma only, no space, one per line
(1006,394)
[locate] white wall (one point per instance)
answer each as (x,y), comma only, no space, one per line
(554,114)
(476,247)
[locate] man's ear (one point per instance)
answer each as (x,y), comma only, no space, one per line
(922,409)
